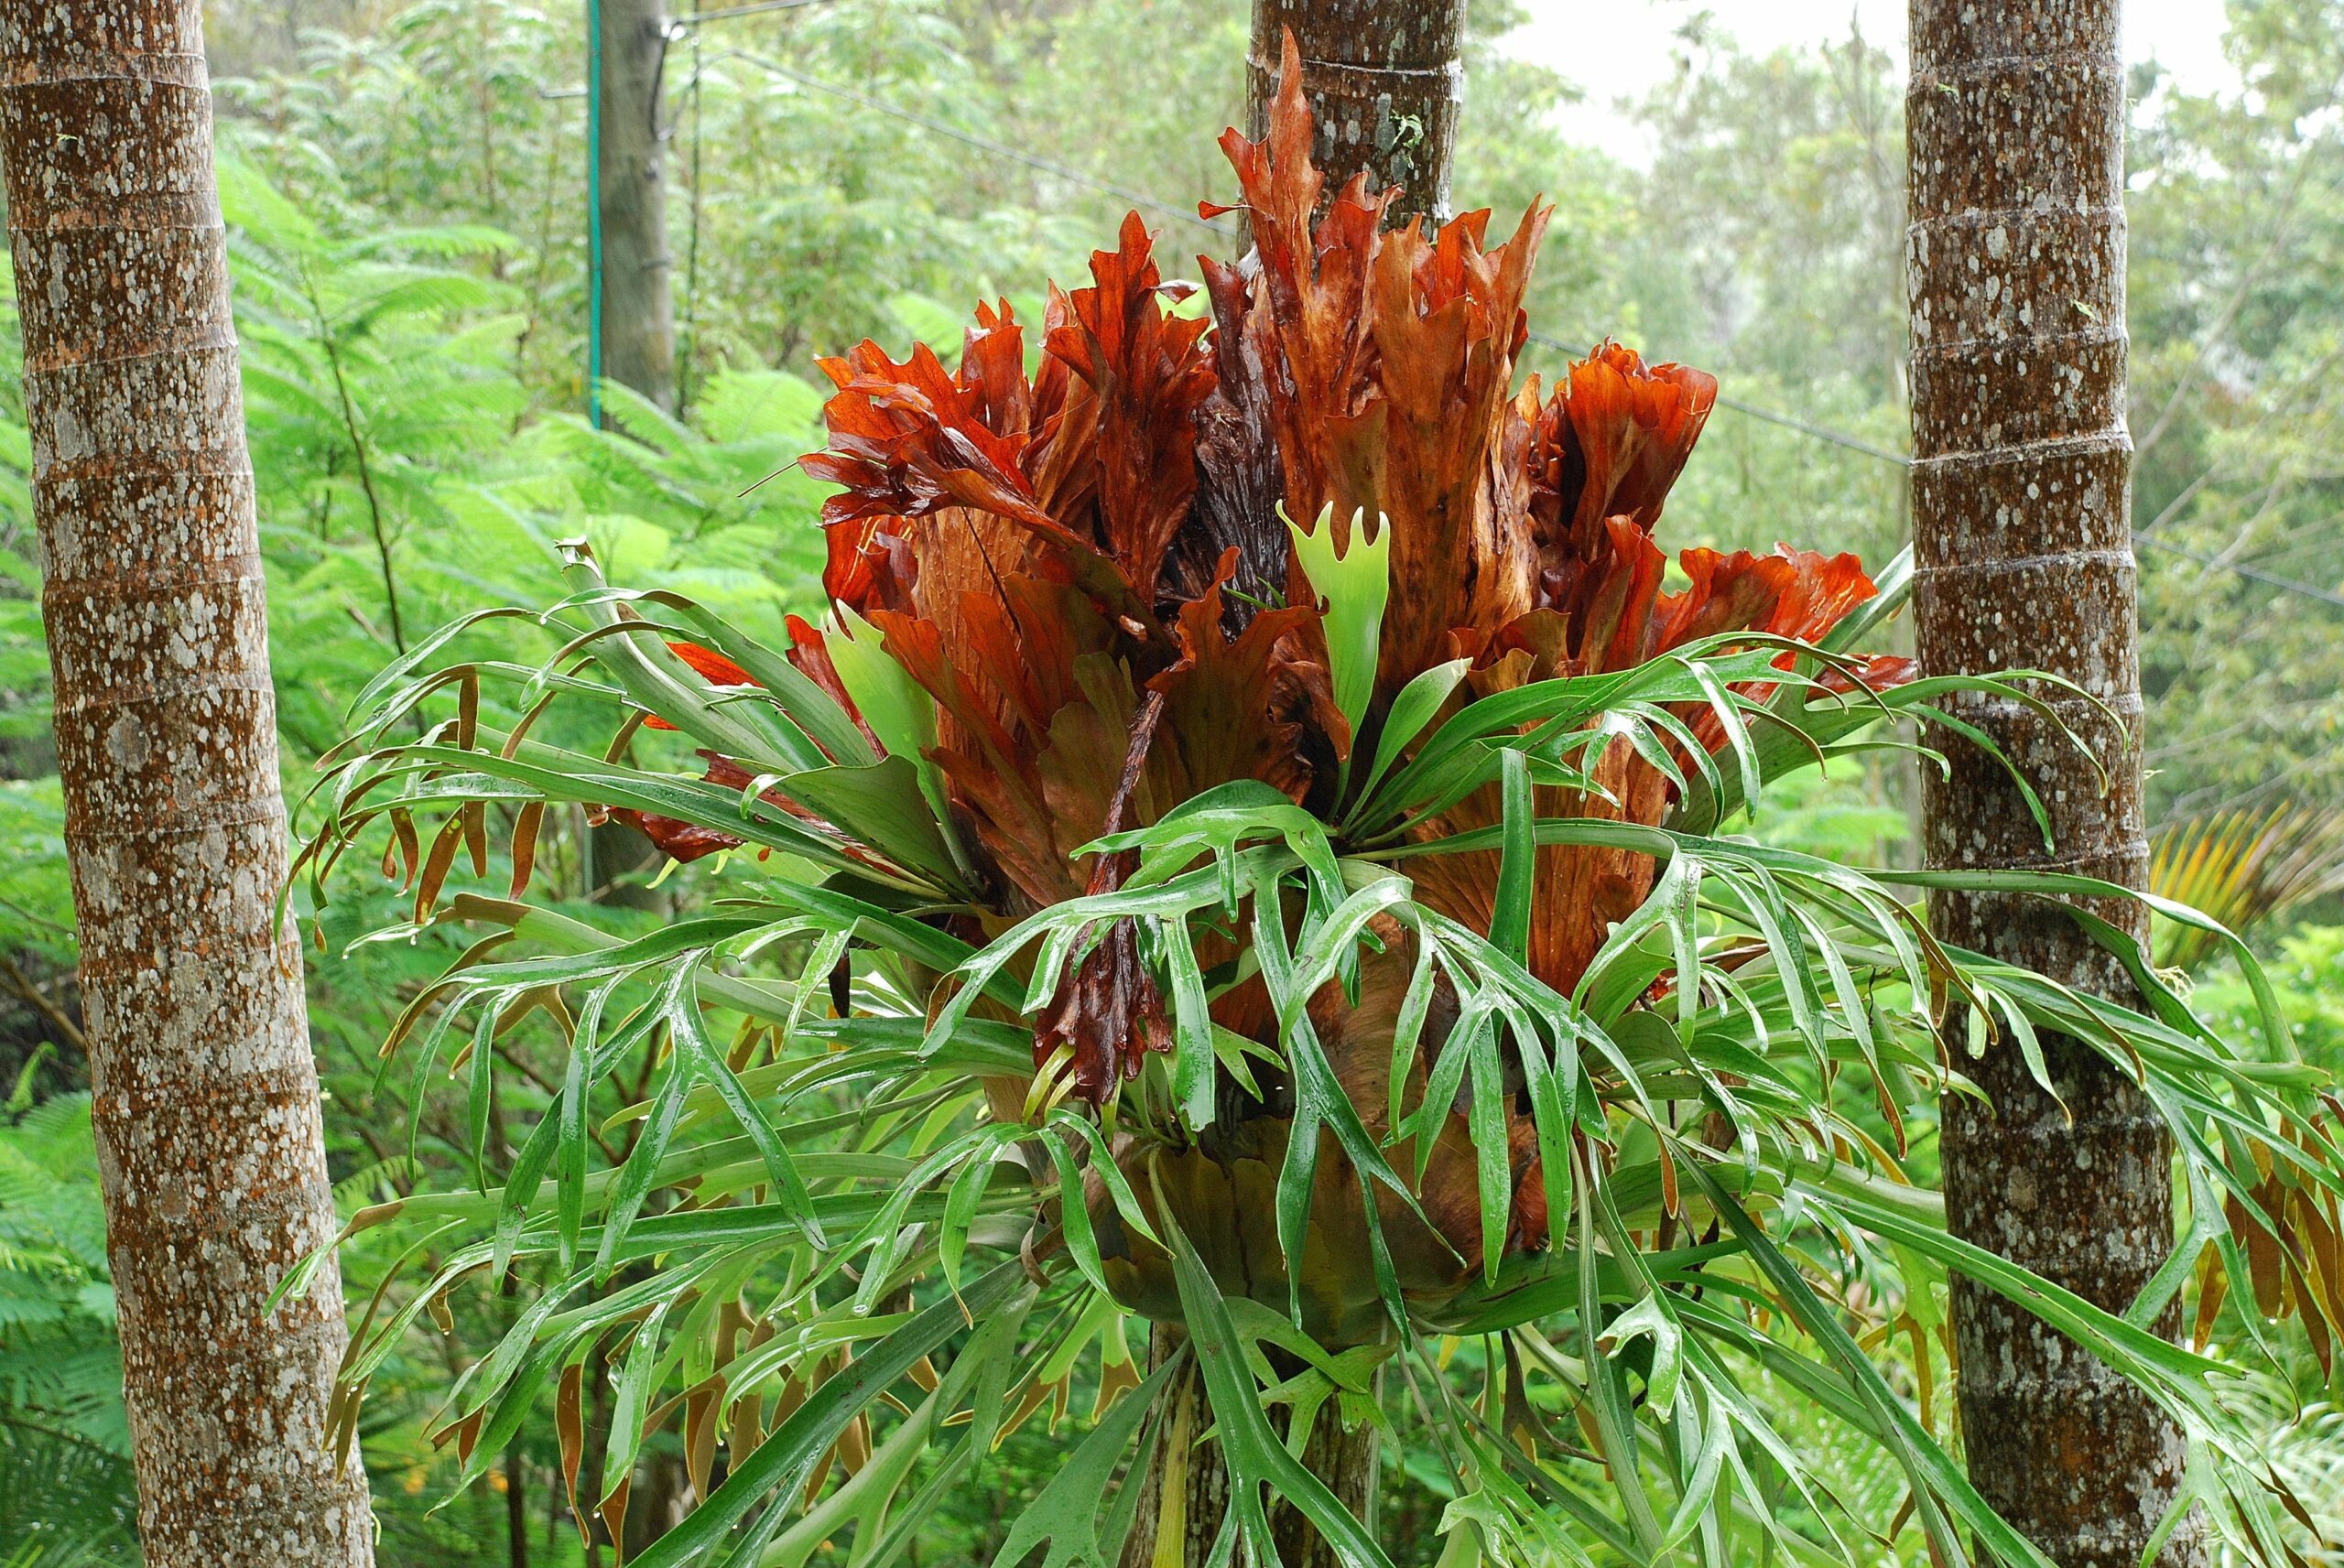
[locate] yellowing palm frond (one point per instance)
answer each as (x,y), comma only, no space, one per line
(2241,867)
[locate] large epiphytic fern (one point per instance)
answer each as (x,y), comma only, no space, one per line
(1249,848)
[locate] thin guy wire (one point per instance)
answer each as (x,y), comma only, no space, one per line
(1788,421)
(727,12)
(1001,149)
(2309,590)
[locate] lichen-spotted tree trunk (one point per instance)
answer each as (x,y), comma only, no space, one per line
(1345,1460)
(210,1144)
(2023,558)
(638,304)
(1384,78)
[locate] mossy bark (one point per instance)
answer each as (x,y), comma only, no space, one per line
(1345,1460)
(1385,79)
(2022,549)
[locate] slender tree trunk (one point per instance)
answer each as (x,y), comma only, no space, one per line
(638,307)
(516,1506)
(1345,1460)
(206,1106)
(1385,79)
(2024,552)
(658,1498)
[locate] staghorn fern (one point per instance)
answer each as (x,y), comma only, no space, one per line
(1320,939)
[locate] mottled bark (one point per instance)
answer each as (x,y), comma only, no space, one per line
(206,1107)
(1202,1498)
(639,304)
(1385,80)
(2016,120)
(1345,1460)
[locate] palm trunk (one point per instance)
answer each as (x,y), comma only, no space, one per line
(1385,79)
(210,1143)
(2023,543)
(638,316)
(1346,1461)
(1199,1499)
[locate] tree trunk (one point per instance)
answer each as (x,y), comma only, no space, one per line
(210,1144)
(1385,79)
(638,318)
(657,1500)
(516,1506)
(2016,119)
(1202,1498)
(1346,1461)
(637,313)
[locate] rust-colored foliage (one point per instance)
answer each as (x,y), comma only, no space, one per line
(711,666)
(1081,565)
(1042,550)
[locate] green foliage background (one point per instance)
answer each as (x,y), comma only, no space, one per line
(404,189)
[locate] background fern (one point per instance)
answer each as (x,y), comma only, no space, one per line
(65,1487)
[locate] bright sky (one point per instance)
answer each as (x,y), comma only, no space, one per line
(1619,48)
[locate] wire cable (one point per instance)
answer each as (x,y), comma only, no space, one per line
(2309,590)
(1001,149)
(2140,540)
(1774,416)
(727,12)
